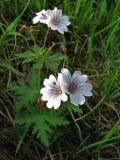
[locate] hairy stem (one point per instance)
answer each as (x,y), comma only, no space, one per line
(46,37)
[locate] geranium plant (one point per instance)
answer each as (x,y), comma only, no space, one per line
(42,102)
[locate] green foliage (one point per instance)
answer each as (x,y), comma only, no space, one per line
(9,66)
(40,56)
(27,93)
(98,143)
(113,131)
(13,24)
(72,108)
(10,28)
(43,122)
(93,45)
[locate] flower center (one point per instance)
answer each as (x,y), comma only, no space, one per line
(55,21)
(72,87)
(44,16)
(56,90)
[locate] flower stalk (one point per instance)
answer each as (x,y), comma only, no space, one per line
(46,37)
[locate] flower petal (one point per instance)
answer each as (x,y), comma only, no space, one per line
(62,28)
(50,103)
(78,78)
(46,94)
(84,78)
(36,19)
(52,78)
(86,86)
(86,92)
(57,12)
(57,103)
(49,82)
(64,97)
(65,20)
(66,75)
(54,102)
(77,99)
(43,90)
(45,97)
(53,27)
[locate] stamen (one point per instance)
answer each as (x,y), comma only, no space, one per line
(72,87)
(55,21)
(44,16)
(56,90)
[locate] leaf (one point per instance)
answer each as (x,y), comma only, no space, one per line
(52,62)
(40,56)
(94,145)
(72,108)
(43,131)
(10,28)
(43,123)
(25,132)
(27,93)
(39,63)
(9,66)
(111,132)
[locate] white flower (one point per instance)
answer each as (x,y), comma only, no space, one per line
(54,19)
(76,86)
(43,17)
(58,21)
(52,92)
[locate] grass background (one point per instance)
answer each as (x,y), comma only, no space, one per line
(93,46)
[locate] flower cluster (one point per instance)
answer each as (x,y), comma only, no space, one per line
(56,90)
(54,19)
